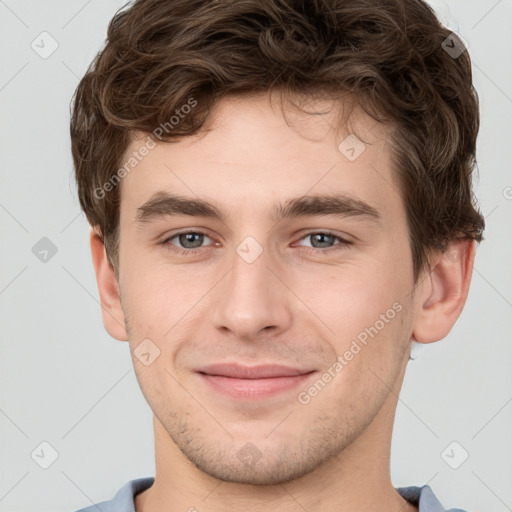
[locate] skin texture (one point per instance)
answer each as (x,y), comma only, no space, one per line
(289,306)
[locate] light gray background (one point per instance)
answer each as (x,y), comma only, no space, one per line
(63,380)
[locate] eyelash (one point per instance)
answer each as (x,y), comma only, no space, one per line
(191,252)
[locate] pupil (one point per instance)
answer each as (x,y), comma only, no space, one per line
(189,238)
(322,236)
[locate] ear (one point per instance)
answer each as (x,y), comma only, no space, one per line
(108,286)
(444,292)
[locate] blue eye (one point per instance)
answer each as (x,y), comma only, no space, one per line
(191,242)
(321,236)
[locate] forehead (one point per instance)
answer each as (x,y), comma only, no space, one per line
(249,155)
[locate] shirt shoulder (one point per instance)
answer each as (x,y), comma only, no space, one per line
(123,501)
(424,498)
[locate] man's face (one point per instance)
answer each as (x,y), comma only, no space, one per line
(257,289)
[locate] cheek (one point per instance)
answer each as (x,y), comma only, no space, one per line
(162,291)
(364,310)
(350,298)
(369,355)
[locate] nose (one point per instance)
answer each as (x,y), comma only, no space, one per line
(252,298)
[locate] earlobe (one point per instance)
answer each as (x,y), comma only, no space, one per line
(444,292)
(108,287)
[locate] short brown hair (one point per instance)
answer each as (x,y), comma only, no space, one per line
(391,55)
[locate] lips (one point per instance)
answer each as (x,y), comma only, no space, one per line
(251,383)
(252,372)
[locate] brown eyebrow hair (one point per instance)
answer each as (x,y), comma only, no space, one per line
(163,204)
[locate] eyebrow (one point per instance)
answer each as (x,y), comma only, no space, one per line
(162,204)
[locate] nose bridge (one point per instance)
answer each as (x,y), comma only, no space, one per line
(251,298)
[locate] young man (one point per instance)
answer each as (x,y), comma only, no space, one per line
(280,200)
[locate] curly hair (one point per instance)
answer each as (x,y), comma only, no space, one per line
(392,55)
